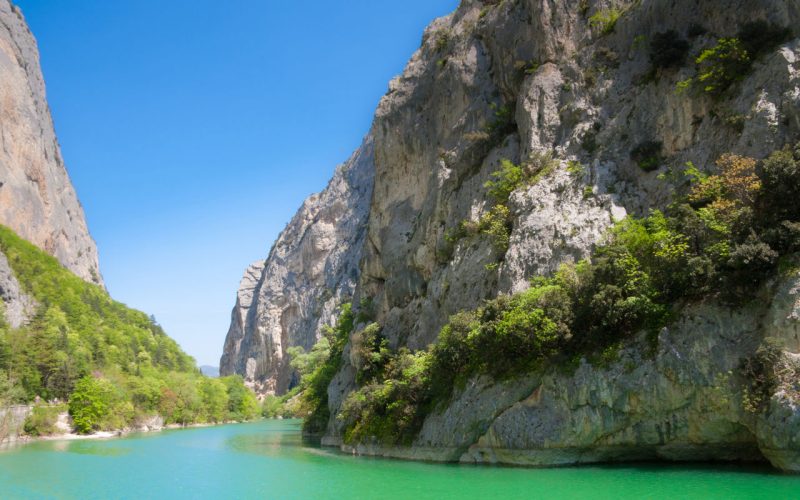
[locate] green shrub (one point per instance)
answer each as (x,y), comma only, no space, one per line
(285,406)
(713,241)
(442,40)
(242,403)
(722,65)
(605,20)
(113,363)
(780,176)
(42,420)
(589,140)
(369,351)
(504,181)
(390,411)
(736,121)
(695,30)
(759,372)
(730,60)
(668,50)
(92,402)
(497,224)
(576,169)
(214,394)
(314,383)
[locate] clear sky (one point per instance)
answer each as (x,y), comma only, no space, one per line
(194,129)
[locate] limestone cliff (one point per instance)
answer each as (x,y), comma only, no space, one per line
(310,271)
(519,79)
(37,199)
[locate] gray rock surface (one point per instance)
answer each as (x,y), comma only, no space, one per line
(584,96)
(17,306)
(37,199)
(311,270)
(12,419)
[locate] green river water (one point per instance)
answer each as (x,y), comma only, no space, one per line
(269,460)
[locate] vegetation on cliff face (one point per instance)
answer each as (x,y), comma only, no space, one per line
(317,368)
(730,59)
(497,222)
(721,238)
(114,365)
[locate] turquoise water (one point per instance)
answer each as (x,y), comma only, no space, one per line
(268,460)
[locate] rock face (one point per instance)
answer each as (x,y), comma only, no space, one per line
(37,199)
(515,80)
(12,418)
(17,306)
(311,270)
(683,402)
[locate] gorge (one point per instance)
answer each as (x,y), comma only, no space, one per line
(73,360)
(569,242)
(516,139)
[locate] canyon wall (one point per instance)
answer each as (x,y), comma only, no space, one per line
(37,199)
(525,81)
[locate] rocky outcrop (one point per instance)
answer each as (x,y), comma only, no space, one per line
(583,95)
(17,306)
(311,270)
(37,199)
(517,80)
(680,398)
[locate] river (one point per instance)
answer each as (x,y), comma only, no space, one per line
(268,459)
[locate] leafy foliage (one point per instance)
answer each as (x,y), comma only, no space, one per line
(722,65)
(93,403)
(284,406)
(730,60)
(114,364)
(760,37)
(318,370)
(369,352)
(504,181)
(242,403)
(605,20)
(716,240)
(498,222)
(42,420)
(759,371)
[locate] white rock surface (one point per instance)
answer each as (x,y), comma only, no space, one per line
(311,271)
(37,199)
(17,306)
(568,87)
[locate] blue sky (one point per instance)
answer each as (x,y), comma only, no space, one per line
(193,130)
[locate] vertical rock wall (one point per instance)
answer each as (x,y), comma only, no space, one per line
(37,199)
(311,270)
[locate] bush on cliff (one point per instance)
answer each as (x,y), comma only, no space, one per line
(730,60)
(721,239)
(318,371)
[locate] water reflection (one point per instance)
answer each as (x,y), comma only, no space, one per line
(279,441)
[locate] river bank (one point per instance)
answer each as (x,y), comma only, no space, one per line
(12,420)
